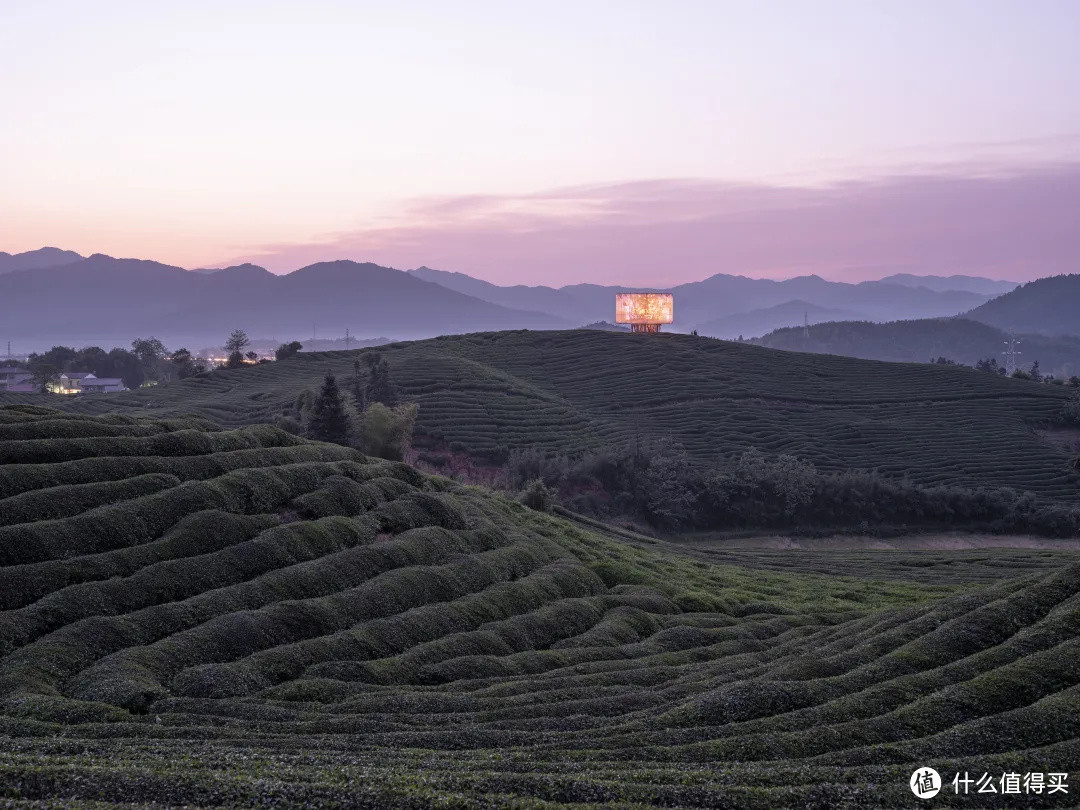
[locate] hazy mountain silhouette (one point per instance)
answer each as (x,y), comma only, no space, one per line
(1047,306)
(34,259)
(108,300)
(54,296)
(975,284)
(759,321)
(702,303)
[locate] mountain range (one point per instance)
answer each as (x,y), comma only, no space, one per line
(53,296)
(706,305)
(110,301)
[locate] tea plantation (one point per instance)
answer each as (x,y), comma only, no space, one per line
(199,616)
(573,390)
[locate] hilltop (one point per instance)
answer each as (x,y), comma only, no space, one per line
(195,616)
(1047,306)
(35,259)
(570,391)
(959,339)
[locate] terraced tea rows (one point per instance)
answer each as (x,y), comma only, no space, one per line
(582,389)
(247,618)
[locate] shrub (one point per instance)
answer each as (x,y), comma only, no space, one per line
(386,432)
(536,495)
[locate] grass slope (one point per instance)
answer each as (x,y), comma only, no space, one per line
(248,618)
(578,389)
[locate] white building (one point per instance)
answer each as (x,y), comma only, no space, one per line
(85,382)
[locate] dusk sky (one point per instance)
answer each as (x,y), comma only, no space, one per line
(549,143)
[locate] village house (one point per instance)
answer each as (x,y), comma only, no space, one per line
(85,382)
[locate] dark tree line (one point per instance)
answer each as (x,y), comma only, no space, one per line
(656,482)
(148,361)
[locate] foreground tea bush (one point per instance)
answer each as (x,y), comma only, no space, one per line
(258,622)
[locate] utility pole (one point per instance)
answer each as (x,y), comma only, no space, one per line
(1011,353)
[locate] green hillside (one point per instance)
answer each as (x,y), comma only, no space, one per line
(196,616)
(1046,306)
(580,389)
(957,339)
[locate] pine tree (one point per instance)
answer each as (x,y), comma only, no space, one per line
(329,420)
(379,386)
(359,391)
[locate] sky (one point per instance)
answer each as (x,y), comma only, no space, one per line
(548,143)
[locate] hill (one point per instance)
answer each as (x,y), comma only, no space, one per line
(483,394)
(35,259)
(958,339)
(1048,306)
(975,284)
(229,618)
(760,321)
(700,303)
(119,299)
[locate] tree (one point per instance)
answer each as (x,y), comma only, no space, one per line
(329,419)
(387,432)
(287,350)
(42,375)
(151,353)
(127,367)
(236,342)
(380,388)
(252,357)
(60,357)
(359,391)
(1035,374)
(184,364)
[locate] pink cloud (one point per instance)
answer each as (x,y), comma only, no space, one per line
(1016,225)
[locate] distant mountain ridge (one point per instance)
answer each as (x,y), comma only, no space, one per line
(760,321)
(36,259)
(975,284)
(115,300)
(701,304)
(121,298)
(1046,306)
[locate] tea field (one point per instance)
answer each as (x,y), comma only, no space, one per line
(579,389)
(193,615)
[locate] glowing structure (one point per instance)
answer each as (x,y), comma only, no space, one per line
(645,312)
